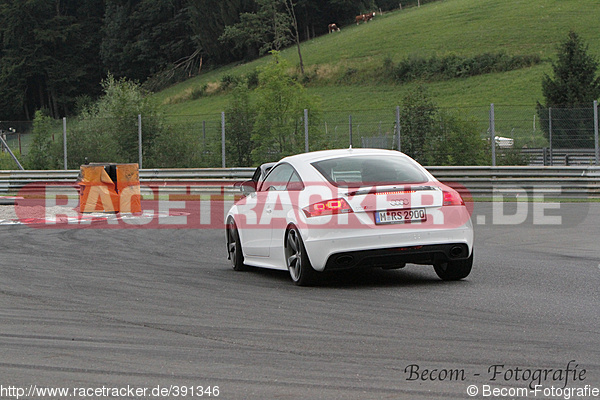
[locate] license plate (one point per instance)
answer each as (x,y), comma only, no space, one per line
(400,216)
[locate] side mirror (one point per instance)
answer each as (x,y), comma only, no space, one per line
(248,187)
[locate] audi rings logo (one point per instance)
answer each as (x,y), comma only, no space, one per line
(399,202)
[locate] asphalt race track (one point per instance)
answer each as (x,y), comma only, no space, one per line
(155,308)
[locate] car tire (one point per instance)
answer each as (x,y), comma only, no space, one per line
(454,270)
(296,259)
(234,247)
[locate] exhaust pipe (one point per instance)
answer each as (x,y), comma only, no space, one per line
(456,251)
(344,261)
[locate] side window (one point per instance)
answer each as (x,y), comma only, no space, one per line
(295,182)
(282,177)
(278,178)
(256,175)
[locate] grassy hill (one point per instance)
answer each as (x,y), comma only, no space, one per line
(346,68)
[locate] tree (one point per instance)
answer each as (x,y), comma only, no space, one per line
(272,27)
(144,37)
(456,141)
(41,154)
(49,55)
(280,108)
(107,131)
(289,6)
(240,123)
(268,27)
(208,19)
(417,119)
(435,137)
(570,93)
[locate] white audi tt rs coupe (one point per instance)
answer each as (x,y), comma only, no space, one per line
(352,208)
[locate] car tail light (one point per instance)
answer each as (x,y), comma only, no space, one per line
(452,198)
(328,207)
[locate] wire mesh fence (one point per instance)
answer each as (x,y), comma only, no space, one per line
(202,135)
(487,135)
(547,136)
(15,133)
(360,128)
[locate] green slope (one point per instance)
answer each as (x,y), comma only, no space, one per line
(460,27)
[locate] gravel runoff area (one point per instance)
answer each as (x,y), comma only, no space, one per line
(9,212)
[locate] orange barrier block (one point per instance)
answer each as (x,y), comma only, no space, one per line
(128,188)
(100,193)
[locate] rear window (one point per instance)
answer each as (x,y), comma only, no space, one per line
(370,171)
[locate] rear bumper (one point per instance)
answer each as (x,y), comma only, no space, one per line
(396,256)
(375,247)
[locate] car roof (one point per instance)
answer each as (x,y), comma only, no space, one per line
(326,154)
(267,166)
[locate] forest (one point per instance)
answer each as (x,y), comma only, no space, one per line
(54,54)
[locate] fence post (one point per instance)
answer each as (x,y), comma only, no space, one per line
(350,123)
(140,140)
(305,130)
(549,136)
(493,134)
(597,147)
(398,127)
(4,145)
(65,141)
(545,155)
(223,139)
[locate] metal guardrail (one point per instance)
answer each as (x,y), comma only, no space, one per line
(556,157)
(561,181)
